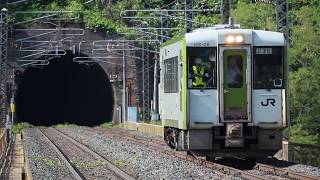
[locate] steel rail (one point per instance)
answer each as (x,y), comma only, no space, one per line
(112,167)
(182,155)
(281,172)
(160,145)
(76,174)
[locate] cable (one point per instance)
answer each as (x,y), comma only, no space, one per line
(169,4)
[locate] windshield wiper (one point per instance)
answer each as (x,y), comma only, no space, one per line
(206,85)
(266,87)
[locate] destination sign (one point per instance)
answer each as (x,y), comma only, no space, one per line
(264,51)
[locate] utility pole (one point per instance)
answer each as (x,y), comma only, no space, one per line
(164,33)
(124,88)
(188,15)
(146,110)
(225,11)
(164,25)
(282,12)
(145,83)
(282,20)
(3,65)
(155,109)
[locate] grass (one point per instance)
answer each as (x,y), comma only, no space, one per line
(65,125)
(120,162)
(87,165)
(112,125)
(47,161)
(17,128)
(136,157)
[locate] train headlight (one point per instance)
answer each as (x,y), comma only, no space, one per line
(235,38)
(230,39)
(239,39)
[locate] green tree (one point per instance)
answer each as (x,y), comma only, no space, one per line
(254,15)
(305,74)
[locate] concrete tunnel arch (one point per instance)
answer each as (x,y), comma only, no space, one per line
(65,92)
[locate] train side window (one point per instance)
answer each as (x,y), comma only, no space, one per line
(201,67)
(268,68)
(171,75)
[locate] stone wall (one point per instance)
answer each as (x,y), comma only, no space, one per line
(78,40)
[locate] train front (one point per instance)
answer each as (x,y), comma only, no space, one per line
(236,92)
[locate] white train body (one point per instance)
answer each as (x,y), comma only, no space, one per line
(240,108)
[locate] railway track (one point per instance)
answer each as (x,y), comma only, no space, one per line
(159,145)
(59,141)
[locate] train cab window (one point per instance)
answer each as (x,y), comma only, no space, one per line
(268,68)
(201,67)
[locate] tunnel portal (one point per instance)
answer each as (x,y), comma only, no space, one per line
(65,92)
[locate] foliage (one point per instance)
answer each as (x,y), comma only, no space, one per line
(112,125)
(65,125)
(47,161)
(87,165)
(255,16)
(305,74)
(120,162)
(17,128)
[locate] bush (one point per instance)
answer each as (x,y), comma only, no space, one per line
(17,128)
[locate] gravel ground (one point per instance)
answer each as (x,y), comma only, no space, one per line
(304,169)
(299,168)
(266,175)
(140,161)
(43,161)
(89,166)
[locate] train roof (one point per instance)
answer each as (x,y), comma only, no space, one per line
(214,36)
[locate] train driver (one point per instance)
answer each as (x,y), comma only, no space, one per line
(200,73)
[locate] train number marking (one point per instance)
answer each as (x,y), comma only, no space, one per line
(264,51)
(269,101)
(201,44)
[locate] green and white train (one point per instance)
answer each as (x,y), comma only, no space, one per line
(240,109)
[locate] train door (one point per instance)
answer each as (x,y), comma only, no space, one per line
(235,95)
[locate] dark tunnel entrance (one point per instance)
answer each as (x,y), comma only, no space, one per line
(65,92)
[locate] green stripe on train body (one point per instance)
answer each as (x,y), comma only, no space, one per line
(184,88)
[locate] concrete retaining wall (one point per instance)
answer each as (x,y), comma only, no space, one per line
(145,128)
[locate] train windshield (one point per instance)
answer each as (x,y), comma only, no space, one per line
(201,67)
(268,68)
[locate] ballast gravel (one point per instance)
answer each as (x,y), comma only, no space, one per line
(139,161)
(299,168)
(44,163)
(304,169)
(84,162)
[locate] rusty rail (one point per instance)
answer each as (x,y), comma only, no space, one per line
(158,144)
(3,144)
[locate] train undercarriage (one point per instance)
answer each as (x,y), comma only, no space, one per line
(252,142)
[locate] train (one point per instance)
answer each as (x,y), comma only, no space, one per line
(223,91)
